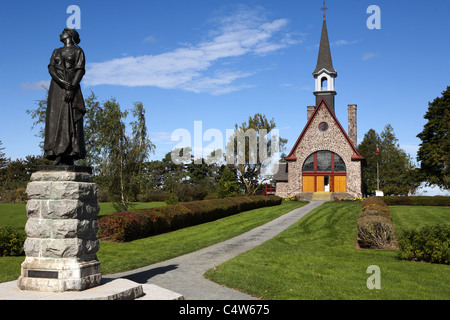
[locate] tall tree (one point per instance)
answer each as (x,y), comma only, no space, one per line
(397,170)
(139,147)
(3,159)
(368,149)
(122,156)
(118,159)
(251,149)
(395,167)
(434,151)
(17,173)
(228,185)
(92,128)
(39,114)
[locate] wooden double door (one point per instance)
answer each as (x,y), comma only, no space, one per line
(326,183)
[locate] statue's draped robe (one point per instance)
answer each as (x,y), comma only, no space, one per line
(64,134)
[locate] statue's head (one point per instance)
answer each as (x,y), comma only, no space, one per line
(70,33)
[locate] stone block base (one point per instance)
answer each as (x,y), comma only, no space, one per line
(61,242)
(58,275)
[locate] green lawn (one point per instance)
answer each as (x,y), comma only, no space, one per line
(117,257)
(15,214)
(411,217)
(316,258)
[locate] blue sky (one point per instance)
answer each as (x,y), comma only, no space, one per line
(220,62)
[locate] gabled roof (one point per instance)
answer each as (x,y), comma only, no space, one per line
(324,59)
(355,157)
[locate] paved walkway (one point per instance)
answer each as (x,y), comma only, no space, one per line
(184,274)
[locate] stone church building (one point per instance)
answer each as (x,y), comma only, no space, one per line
(324,159)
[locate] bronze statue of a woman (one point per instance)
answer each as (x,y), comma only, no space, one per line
(64,135)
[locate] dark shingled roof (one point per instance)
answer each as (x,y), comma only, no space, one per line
(324,59)
(282,174)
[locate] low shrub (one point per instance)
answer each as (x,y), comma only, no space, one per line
(13,196)
(375,227)
(186,192)
(11,242)
(375,232)
(417,201)
(127,226)
(153,197)
(377,207)
(429,243)
(373,201)
(377,213)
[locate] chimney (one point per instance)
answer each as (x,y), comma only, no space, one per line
(352,133)
(310,111)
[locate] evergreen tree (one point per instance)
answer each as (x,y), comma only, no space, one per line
(396,170)
(434,151)
(396,166)
(3,160)
(228,185)
(368,149)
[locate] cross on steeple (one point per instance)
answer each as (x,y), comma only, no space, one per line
(324,8)
(324,74)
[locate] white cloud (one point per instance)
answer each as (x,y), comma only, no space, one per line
(190,67)
(150,39)
(368,56)
(28,86)
(343,42)
(161,137)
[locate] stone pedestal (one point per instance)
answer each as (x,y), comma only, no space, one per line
(61,242)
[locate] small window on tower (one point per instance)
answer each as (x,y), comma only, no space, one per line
(324,84)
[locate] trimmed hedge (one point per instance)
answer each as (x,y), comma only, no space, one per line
(375,227)
(128,226)
(416,201)
(429,243)
(373,201)
(375,231)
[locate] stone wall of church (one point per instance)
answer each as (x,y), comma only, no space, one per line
(283,189)
(315,140)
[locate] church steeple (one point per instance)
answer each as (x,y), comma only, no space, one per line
(324,74)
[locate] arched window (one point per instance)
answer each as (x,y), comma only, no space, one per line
(324,83)
(339,164)
(324,171)
(309,164)
(324,161)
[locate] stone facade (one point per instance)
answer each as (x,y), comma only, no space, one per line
(323,132)
(313,139)
(61,229)
(309,112)
(352,130)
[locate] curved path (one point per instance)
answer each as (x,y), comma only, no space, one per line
(184,274)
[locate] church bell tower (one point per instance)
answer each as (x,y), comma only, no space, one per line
(324,74)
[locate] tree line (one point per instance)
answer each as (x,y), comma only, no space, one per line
(119,153)
(397,173)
